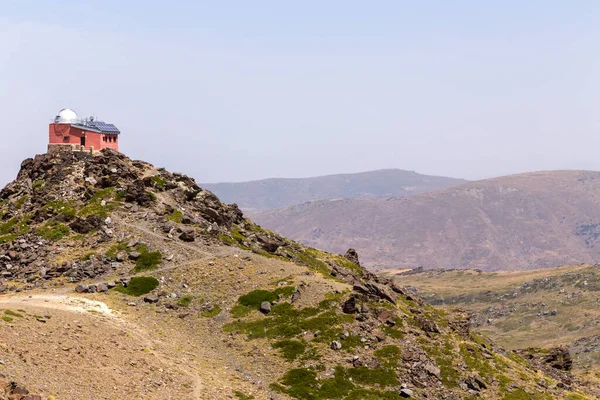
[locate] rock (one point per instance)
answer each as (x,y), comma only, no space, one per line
(132,304)
(150,298)
(188,236)
(102,288)
(336,345)
(111,284)
(265,307)
(349,306)
(406,393)
(81,288)
(352,256)
(428,325)
(433,369)
(121,256)
(134,255)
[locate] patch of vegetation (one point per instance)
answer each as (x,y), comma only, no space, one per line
(139,285)
(88,256)
(13,314)
(21,201)
(216,310)
(61,207)
(37,184)
(152,195)
(312,262)
(53,231)
(302,383)
(520,394)
(290,349)
(476,361)
(6,318)
(158,182)
(148,260)
(120,195)
(239,311)
(185,301)
(175,216)
(389,355)
(116,249)
(94,205)
(286,322)
(242,396)
(255,298)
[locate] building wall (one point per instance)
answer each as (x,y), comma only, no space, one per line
(67,134)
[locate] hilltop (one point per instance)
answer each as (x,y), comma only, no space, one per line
(525,221)
(269,194)
(154,289)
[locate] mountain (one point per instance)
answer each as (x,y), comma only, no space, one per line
(275,193)
(525,221)
(518,309)
(149,287)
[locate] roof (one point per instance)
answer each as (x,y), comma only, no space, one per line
(97,126)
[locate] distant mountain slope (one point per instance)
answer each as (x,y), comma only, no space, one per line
(275,193)
(525,221)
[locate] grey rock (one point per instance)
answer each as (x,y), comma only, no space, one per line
(336,345)
(406,393)
(134,255)
(265,307)
(81,288)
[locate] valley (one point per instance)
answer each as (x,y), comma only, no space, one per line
(520,309)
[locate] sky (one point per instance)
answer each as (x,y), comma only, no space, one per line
(244,90)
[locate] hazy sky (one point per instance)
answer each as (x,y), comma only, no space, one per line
(239,90)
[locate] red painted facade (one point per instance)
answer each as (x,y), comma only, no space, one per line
(73,135)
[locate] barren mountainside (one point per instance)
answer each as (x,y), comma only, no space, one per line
(119,280)
(525,221)
(269,194)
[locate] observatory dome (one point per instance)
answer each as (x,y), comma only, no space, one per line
(66,116)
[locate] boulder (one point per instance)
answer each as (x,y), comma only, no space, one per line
(265,307)
(336,345)
(352,256)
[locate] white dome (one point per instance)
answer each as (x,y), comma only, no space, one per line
(66,116)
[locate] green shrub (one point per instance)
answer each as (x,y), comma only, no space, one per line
(185,301)
(290,349)
(216,310)
(148,261)
(21,201)
(138,286)
(175,216)
(7,318)
(13,313)
(37,184)
(53,231)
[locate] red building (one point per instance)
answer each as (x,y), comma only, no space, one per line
(82,134)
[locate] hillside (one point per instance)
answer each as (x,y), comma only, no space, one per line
(525,221)
(538,308)
(152,288)
(275,193)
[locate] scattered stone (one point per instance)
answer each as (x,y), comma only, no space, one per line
(265,307)
(81,288)
(150,298)
(336,345)
(406,393)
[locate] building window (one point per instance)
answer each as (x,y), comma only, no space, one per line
(66,139)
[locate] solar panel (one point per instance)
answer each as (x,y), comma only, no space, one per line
(104,127)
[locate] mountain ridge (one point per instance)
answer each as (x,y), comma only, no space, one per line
(520,221)
(273,193)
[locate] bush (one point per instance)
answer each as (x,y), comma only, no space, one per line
(53,231)
(138,286)
(148,261)
(290,349)
(185,301)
